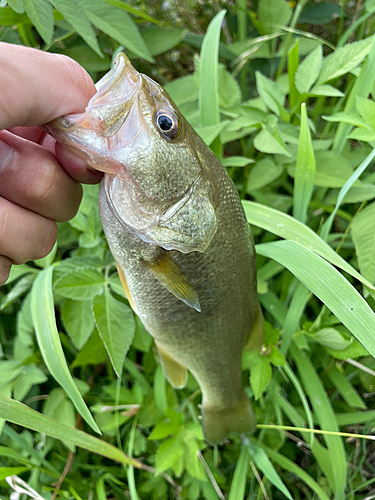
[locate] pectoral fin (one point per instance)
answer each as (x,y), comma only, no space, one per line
(125,287)
(167,272)
(175,373)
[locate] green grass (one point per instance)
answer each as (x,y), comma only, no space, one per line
(283,94)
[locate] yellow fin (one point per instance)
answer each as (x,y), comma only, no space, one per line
(125,287)
(175,373)
(218,423)
(255,338)
(167,272)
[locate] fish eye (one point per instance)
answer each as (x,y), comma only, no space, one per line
(167,123)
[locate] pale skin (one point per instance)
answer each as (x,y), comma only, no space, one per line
(39,179)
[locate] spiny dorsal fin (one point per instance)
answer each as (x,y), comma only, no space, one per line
(167,272)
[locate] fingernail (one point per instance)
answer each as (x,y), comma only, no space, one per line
(6,153)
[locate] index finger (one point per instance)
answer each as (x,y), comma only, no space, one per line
(36,86)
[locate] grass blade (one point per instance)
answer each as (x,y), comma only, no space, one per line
(324,281)
(295,311)
(237,489)
(326,417)
(305,170)
(285,226)
(20,414)
(43,314)
(344,191)
(208,99)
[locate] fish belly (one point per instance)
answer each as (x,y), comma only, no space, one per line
(209,342)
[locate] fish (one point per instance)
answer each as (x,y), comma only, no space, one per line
(179,236)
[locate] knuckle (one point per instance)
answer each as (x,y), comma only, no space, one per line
(48,237)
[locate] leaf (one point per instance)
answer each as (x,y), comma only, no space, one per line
(324,281)
(117,24)
(274,14)
(263,173)
(92,353)
(344,59)
(326,90)
(325,415)
(308,71)
(184,89)
(305,170)
(161,39)
(73,13)
(269,141)
(260,374)
(209,134)
(345,189)
(61,409)
(78,320)
(263,463)
(229,90)
(209,73)
(360,134)
(320,13)
(115,322)
(270,93)
(20,414)
(80,284)
(285,226)
(236,161)
(32,376)
(238,484)
(170,455)
(366,109)
(43,314)
(363,234)
(41,15)
(332,338)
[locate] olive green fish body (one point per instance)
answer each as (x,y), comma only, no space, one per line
(177,230)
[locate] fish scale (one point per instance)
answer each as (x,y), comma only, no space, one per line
(177,230)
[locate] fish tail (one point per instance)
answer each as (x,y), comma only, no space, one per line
(219,422)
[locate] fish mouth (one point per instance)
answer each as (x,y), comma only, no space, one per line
(186,225)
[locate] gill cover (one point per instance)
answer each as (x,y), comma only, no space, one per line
(116,134)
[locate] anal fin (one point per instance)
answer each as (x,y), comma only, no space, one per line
(167,272)
(125,287)
(175,373)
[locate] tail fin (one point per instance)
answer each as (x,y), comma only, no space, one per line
(219,422)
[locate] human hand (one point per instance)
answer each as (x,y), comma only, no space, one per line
(39,179)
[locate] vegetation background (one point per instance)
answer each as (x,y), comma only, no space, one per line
(283,94)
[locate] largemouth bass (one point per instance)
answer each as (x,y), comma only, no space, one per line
(178,233)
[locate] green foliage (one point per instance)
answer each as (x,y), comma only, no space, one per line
(299,143)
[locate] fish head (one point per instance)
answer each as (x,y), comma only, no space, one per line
(158,178)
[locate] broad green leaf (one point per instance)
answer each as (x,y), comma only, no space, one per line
(184,89)
(344,59)
(12,471)
(209,133)
(332,338)
(260,374)
(31,375)
(78,320)
(8,17)
(209,73)
(236,161)
(326,90)
(324,281)
(229,90)
(305,170)
(270,93)
(161,39)
(360,134)
(20,414)
(345,388)
(43,313)
(115,322)
(170,455)
(117,24)
(274,14)
(80,284)
(238,484)
(345,117)
(308,71)
(290,466)
(269,140)
(41,15)
(366,109)
(61,409)
(363,234)
(263,463)
(263,173)
(18,271)
(73,13)
(361,88)
(17,6)
(287,227)
(92,353)
(325,415)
